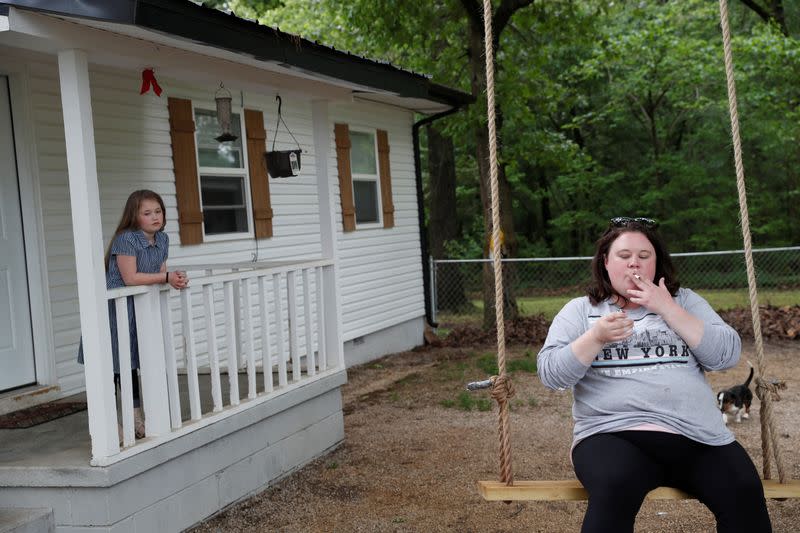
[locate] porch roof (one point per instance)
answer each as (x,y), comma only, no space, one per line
(199,25)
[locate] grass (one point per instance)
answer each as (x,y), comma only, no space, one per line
(549,306)
(486,364)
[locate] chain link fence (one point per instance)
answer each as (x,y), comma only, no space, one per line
(544,285)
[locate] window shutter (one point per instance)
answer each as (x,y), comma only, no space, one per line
(386,179)
(342,134)
(184,158)
(259,183)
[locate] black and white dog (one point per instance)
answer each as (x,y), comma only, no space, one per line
(736,401)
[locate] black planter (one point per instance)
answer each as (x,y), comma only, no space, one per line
(283,163)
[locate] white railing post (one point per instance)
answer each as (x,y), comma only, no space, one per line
(76,106)
(155,400)
(311,366)
(170,362)
(248,334)
(125,378)
(266,355)
(190,351)
(211,343)
(322,353)
(291,304)
(333,323)
(231,341)
(277,298)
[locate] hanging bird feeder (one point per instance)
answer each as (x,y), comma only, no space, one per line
(223,99)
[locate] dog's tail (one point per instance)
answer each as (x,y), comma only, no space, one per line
(750,377)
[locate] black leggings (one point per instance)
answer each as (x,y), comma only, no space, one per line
(619,469)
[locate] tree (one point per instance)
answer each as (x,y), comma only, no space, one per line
(443,222)
(771,11)
(476,37)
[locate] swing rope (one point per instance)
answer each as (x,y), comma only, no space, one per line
(502,389)
(764,390)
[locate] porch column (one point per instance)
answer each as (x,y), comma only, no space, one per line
(73,71)
(328,234)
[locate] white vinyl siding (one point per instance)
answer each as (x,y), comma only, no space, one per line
(133,152)
(380,270)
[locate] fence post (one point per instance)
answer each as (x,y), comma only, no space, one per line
(434,303)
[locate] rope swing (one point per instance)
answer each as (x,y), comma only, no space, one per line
(502,389)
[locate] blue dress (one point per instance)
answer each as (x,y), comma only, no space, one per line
(149,258)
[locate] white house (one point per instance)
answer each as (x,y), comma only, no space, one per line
(292,279)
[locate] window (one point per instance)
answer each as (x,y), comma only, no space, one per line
(223,176)
(366,180)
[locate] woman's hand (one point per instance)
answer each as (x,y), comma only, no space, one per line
(178,279)
(655,298)
(612,327)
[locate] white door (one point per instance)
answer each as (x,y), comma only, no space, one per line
(16,344)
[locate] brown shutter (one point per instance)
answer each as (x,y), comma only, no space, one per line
(342,133)
(386,179)
(259,184)
(184,158)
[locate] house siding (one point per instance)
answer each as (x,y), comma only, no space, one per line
(379,269)
(133,152)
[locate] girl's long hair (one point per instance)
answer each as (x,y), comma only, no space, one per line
(601,288)
(129,219)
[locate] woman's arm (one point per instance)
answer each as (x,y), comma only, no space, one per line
(656,298)
(714,343)
(127,268)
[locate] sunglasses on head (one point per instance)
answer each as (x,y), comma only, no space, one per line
(621,222)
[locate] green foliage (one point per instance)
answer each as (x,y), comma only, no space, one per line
(467,401)
(609,108)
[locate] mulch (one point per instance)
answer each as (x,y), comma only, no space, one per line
(776,323)
(39,414)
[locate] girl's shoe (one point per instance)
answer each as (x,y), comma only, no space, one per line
(138,423)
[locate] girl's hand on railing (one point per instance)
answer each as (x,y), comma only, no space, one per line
(178,279)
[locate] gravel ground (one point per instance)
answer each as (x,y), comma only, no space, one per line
(413,451)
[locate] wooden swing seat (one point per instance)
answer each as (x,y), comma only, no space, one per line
(571,489)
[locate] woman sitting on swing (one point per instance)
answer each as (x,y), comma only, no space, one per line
(635,351)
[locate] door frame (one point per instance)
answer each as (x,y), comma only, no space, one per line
(33,224)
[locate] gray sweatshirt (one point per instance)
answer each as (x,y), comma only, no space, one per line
(651,377)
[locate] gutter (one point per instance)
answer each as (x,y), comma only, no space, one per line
(423,230)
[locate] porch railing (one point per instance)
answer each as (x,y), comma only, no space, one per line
(276,320)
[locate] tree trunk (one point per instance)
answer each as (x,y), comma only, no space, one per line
(481,132)
(443,224)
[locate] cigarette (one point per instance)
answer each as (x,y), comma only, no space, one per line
(637,276)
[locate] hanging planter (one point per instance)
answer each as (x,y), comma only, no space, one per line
(283,163)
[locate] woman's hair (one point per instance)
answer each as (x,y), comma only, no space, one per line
(601,289)
(129,220)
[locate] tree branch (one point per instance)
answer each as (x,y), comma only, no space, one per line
(505,12)
(760,11)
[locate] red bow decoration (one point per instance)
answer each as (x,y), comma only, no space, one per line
(149,80)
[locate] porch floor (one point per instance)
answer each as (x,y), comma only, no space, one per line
(64,443)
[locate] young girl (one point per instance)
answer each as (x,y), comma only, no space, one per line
(137,255)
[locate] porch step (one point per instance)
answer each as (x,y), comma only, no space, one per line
(27,521)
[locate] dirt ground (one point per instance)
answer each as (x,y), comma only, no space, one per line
(414,446)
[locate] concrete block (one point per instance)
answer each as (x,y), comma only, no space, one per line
(27,521)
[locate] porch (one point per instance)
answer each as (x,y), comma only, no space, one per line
(174,485)
(240,377)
